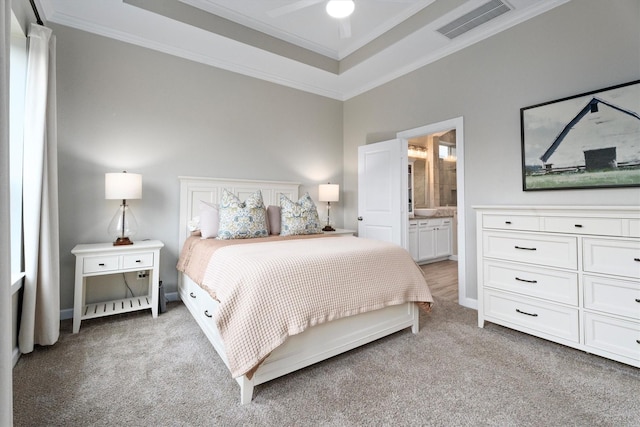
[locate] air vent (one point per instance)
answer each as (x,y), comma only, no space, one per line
(476,17)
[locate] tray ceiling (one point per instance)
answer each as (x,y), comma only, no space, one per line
(294,42)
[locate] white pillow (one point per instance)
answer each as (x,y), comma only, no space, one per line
(209,220)
(273,219)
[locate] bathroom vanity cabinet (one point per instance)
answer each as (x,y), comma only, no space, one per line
(430,239)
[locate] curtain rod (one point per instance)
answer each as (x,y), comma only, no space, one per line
(35,10)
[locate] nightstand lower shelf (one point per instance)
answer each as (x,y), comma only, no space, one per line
(125,305)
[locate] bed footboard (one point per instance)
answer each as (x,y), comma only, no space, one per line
(312,346)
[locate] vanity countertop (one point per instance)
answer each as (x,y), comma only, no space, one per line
(441,212)
(437,215)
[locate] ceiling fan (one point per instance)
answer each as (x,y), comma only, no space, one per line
(339,9)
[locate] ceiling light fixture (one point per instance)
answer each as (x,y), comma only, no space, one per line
(340,8)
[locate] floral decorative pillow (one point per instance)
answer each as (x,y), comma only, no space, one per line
(299,217)
(242,220)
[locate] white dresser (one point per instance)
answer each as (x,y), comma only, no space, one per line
(566,274)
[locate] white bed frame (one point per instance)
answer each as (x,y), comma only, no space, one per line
(314,345)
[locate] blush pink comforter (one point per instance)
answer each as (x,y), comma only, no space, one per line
(273,288)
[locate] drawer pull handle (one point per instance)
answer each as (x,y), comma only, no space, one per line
(638,300)
(508,222)
(525,249)
(101,264)
(191,295)
(138,260)
(528,314)
(637,259)
(206,313)
(525,280)
(638,341)
(578,225)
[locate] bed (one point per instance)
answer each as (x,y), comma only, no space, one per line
(282,349)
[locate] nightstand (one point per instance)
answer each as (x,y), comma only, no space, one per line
(341,232)
(105,258)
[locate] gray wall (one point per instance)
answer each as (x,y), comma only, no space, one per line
(578,47)
(122,107)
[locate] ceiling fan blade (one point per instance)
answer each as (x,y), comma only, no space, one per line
(292,7)
(345,28)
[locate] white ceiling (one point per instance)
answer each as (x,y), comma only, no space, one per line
(306,23)
(301,47)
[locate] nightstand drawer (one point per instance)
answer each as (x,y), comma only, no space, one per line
(141,260)
(100,263)
(552,251)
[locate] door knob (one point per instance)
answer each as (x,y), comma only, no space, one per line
(359,218)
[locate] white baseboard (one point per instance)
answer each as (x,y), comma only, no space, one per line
(468,302)
(67,313)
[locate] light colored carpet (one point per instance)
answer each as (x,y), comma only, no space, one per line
(136,371)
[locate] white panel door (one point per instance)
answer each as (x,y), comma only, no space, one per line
(382,191)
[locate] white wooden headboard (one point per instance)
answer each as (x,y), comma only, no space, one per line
(193,189)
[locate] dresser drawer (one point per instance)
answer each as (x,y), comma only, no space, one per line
(634,228)
(612,335)
(141,260)
(612,296)
(533,315)
(553,285)
(616,257)
(552,251)
(597,226)
(100,263)
(511,222)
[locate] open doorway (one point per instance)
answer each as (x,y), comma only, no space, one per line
(434,169)
(433,195)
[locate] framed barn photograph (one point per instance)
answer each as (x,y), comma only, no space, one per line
(591,140)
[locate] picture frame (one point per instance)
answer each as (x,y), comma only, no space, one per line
(590,140)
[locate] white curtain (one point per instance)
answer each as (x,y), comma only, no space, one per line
(40,322)
(6,387)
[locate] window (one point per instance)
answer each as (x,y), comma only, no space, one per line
(18,70)
(447,152)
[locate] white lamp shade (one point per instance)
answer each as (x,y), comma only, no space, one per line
(340,8)
(122,185)
(328,192)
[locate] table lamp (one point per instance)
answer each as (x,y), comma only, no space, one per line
(123,186)
(328,193)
